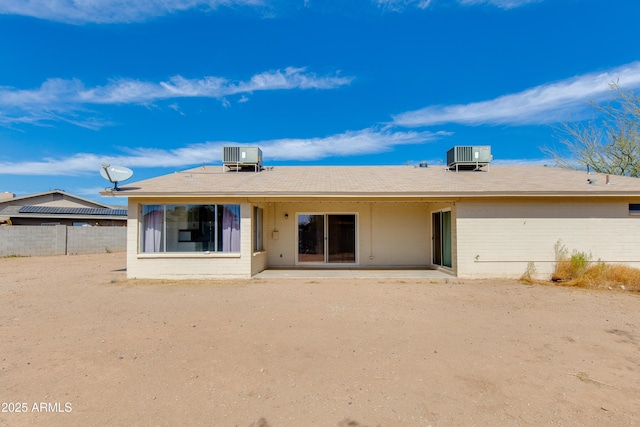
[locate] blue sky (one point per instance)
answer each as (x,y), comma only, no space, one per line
(162,85)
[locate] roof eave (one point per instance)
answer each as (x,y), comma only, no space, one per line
(423,195)
(45,193)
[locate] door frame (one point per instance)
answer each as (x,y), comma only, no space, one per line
(326,263)
(433,239)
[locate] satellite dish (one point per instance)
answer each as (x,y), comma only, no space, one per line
(115,174)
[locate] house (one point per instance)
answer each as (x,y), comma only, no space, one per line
(491,221)
(58,208)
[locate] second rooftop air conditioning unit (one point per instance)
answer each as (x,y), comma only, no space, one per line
(469,157)
(241,157)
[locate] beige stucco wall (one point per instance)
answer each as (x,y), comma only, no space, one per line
(499,238)
(388,233)
(490,237)
(258,262)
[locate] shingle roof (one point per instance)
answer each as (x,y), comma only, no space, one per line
(13,200)
(380,181)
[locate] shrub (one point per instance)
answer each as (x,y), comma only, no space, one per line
(529,273)
(578,270)
(569,267)
(579,262)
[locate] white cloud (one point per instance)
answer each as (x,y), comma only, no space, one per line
(175,107)
(110,11)
(523,162)
(547,103)
(401,5)
(134,91)
(502,4)
(290,78)
(57,99)
(352,143)
(118,11)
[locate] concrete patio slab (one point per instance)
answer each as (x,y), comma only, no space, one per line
(320,273)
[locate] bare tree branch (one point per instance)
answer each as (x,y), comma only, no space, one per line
(608,143)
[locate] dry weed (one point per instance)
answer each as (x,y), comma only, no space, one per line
(578,270)
(563,272)
(602,276)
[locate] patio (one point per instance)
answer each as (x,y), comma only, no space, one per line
(354,273)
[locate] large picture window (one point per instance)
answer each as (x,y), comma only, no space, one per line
(190,228)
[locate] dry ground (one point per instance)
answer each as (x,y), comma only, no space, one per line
(95,349)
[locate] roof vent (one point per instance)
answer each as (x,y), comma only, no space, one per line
(469,157)
(237,158)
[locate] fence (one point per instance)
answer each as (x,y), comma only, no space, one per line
(22,240)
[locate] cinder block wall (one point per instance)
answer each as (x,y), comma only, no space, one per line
(32,241)
(93,240)
(60,240)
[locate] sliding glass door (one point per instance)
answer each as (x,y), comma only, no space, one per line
(311,238)
(342,238)
(326,238)
(441,235)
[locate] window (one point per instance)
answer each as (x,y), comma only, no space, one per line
(258,230)
(190,228)
(634,208)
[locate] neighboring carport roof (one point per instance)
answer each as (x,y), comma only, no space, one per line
(69,213)
(52,210)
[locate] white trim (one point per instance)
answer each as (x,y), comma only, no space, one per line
(326,263)
(439,266)
(148,255)
(163,205)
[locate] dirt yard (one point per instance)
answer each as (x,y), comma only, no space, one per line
(80,346)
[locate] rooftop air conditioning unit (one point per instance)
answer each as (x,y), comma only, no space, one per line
(241,157)
(468,157)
